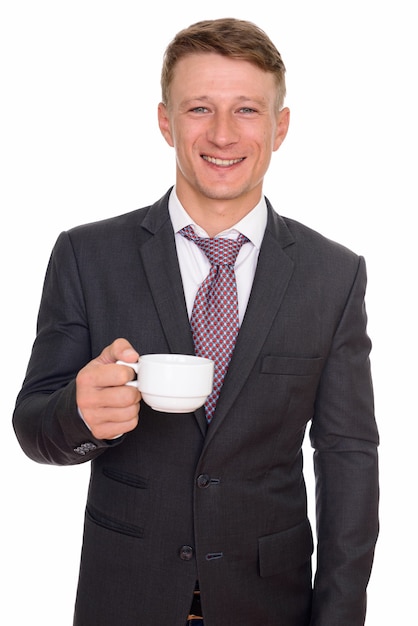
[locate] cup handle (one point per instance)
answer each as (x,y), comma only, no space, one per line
(135,367)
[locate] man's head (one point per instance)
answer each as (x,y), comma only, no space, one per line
(222,112)
(229,37)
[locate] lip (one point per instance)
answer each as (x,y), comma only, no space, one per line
(221,162)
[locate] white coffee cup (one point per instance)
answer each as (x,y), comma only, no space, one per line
(173,383)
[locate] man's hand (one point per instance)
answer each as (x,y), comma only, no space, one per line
(108,406)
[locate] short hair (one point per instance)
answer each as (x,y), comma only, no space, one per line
(233,38)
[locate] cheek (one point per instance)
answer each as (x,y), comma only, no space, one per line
(269,143)
(265,138)
(184,141)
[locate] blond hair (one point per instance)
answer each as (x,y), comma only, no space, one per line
(233,38)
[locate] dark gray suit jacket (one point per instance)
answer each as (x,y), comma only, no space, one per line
(176,500)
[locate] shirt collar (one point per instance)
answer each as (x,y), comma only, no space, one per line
(252,225)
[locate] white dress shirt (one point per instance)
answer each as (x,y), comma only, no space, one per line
(194,264)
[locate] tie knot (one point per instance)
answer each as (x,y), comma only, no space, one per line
(219,250)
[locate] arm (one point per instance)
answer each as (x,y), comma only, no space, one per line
(63,380)
(345,439)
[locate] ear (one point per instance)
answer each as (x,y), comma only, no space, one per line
(283,119)
(164,124)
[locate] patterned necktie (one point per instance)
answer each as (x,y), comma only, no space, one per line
(214,321)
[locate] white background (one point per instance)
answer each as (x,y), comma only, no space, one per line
(79,142)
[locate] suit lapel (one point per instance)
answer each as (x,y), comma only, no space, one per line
(274,270)
(159,257)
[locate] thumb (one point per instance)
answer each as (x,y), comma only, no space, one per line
(119,350)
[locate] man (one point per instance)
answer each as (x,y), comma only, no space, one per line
(211,506)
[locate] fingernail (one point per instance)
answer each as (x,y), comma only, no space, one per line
(129,354)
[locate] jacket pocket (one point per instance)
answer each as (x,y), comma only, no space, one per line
(105,521)
(285,550)
(292,366)
(126,478)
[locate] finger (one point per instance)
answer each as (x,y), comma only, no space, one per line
(107,395)
(109,412)
(97,375)
(108,428)
(119,350)
(119,415)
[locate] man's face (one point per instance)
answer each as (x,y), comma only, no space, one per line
(223,122)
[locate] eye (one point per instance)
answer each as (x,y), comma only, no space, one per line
(199,110)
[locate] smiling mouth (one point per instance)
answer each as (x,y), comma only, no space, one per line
(221,162)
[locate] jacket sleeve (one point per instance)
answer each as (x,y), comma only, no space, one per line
(46,420)
(345,439)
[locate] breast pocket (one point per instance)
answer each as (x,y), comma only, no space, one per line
(292,366)
(291,383)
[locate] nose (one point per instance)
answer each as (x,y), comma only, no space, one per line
(222,130)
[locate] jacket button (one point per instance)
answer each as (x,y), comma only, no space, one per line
(186,553)
(84,448)
(203,481)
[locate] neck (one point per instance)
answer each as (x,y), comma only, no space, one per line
(214,215)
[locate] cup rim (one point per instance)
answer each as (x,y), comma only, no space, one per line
(175,358)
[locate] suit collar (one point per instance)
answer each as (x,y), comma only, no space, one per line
(157,215)
(161,267)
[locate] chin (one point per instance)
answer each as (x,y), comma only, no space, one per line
(222,192)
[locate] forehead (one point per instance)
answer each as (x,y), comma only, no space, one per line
(207,73)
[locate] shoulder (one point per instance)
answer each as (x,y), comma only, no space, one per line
(122,229)
(312,240)
(300,241)
(314,256)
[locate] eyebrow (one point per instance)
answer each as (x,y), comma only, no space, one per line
(204,98)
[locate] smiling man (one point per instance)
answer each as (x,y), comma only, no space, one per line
(201,518)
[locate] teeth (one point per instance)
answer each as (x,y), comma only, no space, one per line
(221,161)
